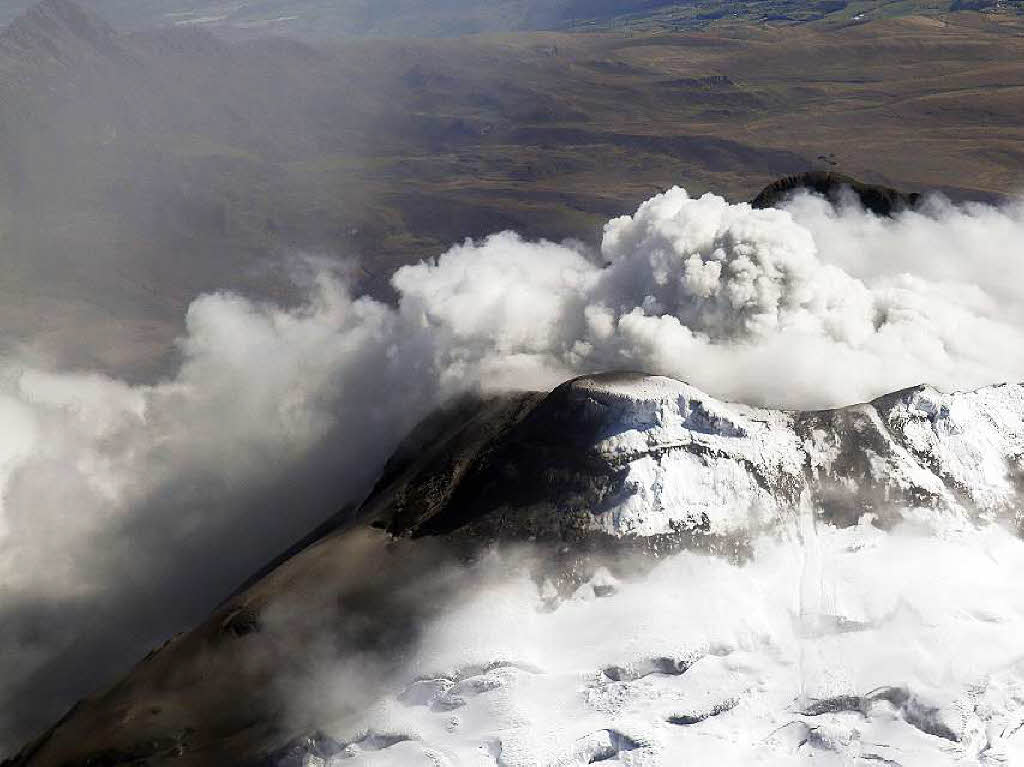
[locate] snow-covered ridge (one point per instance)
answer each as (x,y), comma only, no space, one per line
(959,454)
(636,455)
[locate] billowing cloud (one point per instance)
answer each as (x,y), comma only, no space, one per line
(126,511)
(766,306)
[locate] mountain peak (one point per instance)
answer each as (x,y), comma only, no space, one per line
(880,200)
(631,384)
(627,455)
(60,29)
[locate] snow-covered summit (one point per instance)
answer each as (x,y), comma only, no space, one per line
(633,401)
(627,454)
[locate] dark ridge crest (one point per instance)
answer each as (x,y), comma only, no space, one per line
(880,200)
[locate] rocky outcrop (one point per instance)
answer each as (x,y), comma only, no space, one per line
(881,200)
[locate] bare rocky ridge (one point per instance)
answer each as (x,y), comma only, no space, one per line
(604,462)
(881,200)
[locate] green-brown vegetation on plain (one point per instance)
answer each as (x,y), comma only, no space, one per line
(140,169)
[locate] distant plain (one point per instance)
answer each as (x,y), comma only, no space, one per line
(142,168)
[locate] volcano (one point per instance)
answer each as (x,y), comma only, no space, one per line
(705,546)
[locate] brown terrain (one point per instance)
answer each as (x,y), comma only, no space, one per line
(176,160)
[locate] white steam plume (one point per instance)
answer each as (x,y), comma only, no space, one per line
(128,510)
(746,304)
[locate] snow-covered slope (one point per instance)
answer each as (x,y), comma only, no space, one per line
(624,571)
(906,652)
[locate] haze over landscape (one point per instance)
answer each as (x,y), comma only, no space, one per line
(290,292)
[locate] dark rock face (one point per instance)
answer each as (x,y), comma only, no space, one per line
(426,481)
(542,467)
(538,454)
(880,200)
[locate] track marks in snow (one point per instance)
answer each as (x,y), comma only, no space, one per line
(914,711)
(595,748)
(699,715)
(646,667)
(450,692)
